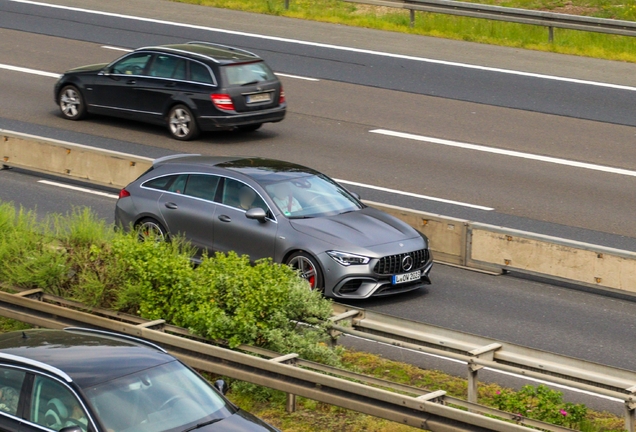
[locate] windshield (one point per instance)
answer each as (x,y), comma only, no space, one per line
(169,397)
(311,196)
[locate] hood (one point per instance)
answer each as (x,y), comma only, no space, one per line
(240,421)
(88,68)
(363,228)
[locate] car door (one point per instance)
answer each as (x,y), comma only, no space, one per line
(115,90)
(233,231)
(164,78)
(188,208)
(11,383)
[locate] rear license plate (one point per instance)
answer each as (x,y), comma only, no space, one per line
(407,277)
(261,97)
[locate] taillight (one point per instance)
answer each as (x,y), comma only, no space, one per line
(123,193)
(281,98)
(222,101)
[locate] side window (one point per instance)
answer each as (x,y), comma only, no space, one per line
(54,406)
(241,196)
(10,387)
(167,66)
(171,183)
(200,73)
(202,186)
(134,64)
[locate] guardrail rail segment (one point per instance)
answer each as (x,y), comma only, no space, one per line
(288,373)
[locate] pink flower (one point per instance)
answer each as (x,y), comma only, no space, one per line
(498,392)
(563,412)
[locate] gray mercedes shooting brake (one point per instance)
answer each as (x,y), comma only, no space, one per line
(288,212)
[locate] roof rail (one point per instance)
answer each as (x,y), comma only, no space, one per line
(174,156)
(38,364)
(223,46)
(118,335)
(178,51)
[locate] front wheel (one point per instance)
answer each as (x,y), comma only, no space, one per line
(307,268)
(71,103)
(182,123)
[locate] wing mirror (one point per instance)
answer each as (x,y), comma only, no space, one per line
(71,429)
(256,213)
(220,385)
(355,195)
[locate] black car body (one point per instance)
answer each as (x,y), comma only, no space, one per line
(190,87)
(80,380)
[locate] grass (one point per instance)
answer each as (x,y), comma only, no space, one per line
(611,47)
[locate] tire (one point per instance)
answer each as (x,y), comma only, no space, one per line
(308,269)
(71,103)
(249,128)
(150,228)
(182,124)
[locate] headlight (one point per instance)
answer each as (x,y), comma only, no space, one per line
(347,259)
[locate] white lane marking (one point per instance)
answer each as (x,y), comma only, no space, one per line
(523,377)
(79,189)
(414,195)
(334,47)
(296,77)
(116,48)
(503,152)
(29,71)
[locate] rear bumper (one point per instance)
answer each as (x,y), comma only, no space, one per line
(208,123)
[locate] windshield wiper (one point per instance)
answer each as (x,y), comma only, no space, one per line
(300,217)
(250,83)
(200,425)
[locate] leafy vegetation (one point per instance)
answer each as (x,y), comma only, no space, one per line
(573,42)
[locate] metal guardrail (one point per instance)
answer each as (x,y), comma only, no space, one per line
(380,398)
(507,14)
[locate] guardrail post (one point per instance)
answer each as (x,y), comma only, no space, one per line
(473,382)
(412,13)
(290,407)
(630,417)
(286,4)
(550,34)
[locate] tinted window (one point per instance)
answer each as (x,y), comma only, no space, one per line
(202,186)
(242,74)
(200,73)
(241,196)
(10,386)
(134,64)
(55,406)
(166,66)
(172,183)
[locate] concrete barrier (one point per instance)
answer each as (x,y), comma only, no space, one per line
(453,241)
(80,162)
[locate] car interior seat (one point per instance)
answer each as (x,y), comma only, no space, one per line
(56,414)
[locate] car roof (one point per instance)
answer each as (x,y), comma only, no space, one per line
(87,357)
(263,170)
(216,53)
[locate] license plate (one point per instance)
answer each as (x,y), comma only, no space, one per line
(261,97)
(407,277)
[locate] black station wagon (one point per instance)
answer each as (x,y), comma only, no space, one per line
(79,380)
(192,87)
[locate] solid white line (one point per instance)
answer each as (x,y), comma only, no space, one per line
(334,47)
(426,197)
(503,152)
(29,71)
(297,77)
(79,189)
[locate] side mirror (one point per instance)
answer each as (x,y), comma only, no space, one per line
(71,429)
(355,195)
(256,213)
(220,385)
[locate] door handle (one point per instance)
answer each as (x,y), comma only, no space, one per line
(225,218)
(171,205)
(172,84)
(130,82)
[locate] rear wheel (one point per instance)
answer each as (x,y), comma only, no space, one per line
(307,268)
(150,229)
(71,103)
(182,123)
(249,128)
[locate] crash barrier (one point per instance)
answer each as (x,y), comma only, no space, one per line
(453,241)
(507,14)
(288,373)
(478,352)
(499,249)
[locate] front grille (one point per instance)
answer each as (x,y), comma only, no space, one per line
(392,264)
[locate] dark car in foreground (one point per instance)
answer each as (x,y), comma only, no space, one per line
(291,213)
(192,87)
(80,380)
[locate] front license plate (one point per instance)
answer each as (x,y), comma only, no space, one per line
(407,277)
(261,97)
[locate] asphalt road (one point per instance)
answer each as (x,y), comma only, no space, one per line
(329,124)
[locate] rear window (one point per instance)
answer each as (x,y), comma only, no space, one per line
(247,73)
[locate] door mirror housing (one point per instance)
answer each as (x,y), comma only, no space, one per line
(71,429)
(256,213)
(355,195)
(220,385)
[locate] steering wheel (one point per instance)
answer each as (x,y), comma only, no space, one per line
(136,69)
(315,200)
(170,401)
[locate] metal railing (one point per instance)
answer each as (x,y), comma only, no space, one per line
(550,20)
(408,405)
